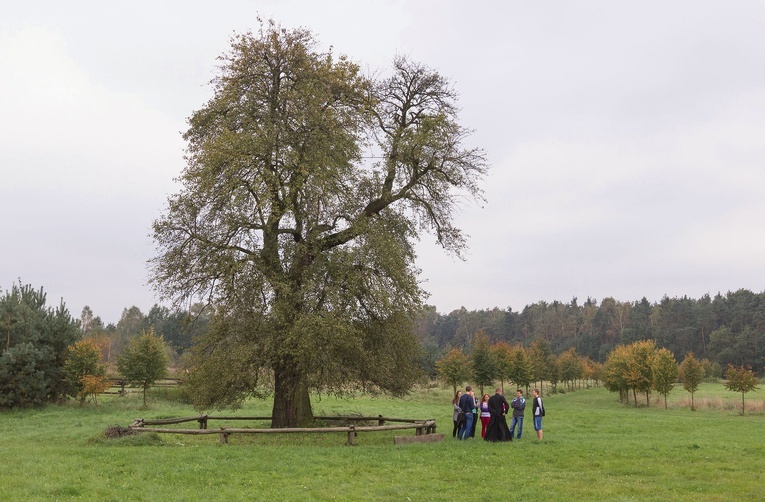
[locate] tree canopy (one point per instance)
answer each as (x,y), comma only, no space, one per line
(306,185)
(724,328)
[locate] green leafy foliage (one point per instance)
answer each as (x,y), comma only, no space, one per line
(502,356)
(144,362)
(615,370)
(570,366)
(691,374)
(665,373)
(455,368)
(640,376)
(484,371)
(83,368)
(740,379)
(631,368)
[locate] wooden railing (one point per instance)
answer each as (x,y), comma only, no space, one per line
(118,385)
(421,427)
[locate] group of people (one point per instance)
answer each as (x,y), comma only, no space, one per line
(493,411)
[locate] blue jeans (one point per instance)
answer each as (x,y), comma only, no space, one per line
(519,421)
(464,432)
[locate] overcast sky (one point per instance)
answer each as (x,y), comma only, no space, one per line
(626,139)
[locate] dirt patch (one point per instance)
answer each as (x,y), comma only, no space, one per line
(116,431)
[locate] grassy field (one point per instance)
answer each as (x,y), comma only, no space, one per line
(594,449)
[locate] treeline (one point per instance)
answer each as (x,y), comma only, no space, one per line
(178,329)
(638,368)
(726,329)
(47,355)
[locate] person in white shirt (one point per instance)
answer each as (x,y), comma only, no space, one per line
(538,411)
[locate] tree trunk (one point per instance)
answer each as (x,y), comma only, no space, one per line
(292,402)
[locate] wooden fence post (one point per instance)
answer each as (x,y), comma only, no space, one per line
(224,437)
(351,434)
(202,421)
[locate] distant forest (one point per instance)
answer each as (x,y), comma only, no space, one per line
(727,329)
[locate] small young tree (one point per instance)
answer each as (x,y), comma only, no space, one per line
(691,374)
(93,385)
(521,374)
(571,367)
(740,379)
(640,368)
(455,367)
(502,355)
(614,372)
(484,370)
(664,373)
(83,360)
(144,361)
(542,361)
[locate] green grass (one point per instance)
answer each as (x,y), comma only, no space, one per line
(594,449)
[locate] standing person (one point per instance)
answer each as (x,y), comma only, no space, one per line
(518,405)
(538,411)
(497,429)
(467,403)
(485,415)
(476,412)
(455,416)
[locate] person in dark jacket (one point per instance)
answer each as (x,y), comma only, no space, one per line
(497,429)
(518,405)
(467,404)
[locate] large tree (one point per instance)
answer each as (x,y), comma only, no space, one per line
(305,188)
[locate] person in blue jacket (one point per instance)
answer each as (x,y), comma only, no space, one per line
(467,404)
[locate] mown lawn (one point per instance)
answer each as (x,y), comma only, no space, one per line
(594,449)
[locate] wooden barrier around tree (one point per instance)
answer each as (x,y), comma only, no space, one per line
(421,427)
